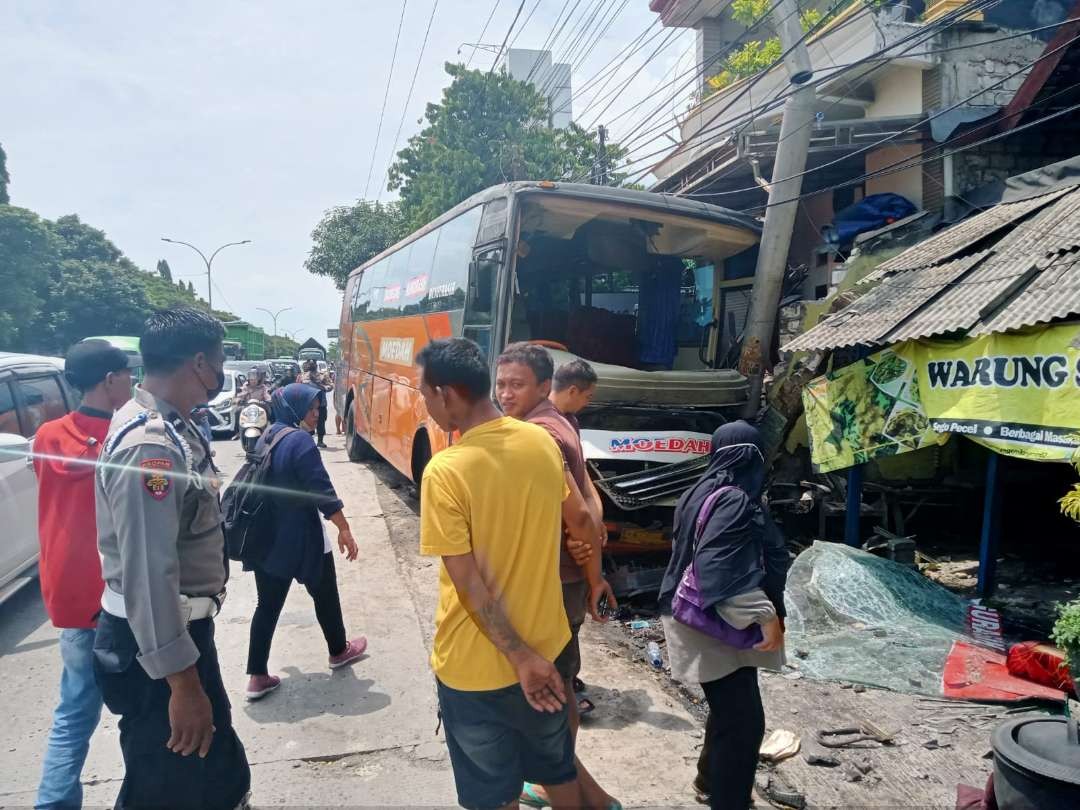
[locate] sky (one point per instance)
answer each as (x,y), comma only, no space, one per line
(213,122)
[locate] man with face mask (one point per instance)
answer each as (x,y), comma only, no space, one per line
(164,565)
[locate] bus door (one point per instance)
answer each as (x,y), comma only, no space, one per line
(484,273)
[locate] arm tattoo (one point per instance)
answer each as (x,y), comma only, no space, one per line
(496,626)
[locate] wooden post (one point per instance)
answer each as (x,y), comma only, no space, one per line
(853,513)
(991,529)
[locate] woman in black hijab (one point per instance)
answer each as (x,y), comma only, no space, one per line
(741,566)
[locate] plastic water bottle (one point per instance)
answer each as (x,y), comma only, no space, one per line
(652,651)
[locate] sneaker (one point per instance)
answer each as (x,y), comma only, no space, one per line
(353,650)
(259,686)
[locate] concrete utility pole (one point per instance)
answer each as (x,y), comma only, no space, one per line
(791,150)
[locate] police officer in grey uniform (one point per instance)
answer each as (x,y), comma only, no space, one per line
(164,564)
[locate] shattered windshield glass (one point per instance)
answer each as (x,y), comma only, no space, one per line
(861,618)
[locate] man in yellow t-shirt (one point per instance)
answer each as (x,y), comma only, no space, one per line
(491,508)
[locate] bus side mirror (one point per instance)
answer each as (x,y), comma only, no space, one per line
(482,275)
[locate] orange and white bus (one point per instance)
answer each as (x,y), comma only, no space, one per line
(651,289)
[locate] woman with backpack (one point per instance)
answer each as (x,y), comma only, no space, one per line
(300,548)
(722,607)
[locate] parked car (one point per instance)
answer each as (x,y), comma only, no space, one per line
(32,392)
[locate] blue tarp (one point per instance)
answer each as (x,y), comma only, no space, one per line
(869,214)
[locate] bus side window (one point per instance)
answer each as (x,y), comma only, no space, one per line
(450,271)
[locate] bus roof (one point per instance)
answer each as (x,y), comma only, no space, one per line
(669,203)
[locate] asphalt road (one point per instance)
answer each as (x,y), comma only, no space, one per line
(359,737)
(365,736)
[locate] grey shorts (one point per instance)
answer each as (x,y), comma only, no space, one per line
(575,600)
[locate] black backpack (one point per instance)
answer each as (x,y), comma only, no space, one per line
(247,506)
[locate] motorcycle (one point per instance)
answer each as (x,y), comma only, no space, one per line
(253,422)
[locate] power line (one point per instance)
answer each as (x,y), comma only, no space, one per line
(925,33)
(483,31)
(574,37)
(913,127)
(909,163)
(525,24)
(547,39)
(506,39)
(588,46)
(386,95)
(408,97)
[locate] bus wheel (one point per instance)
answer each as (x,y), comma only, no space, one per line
(421,455)
(355,446)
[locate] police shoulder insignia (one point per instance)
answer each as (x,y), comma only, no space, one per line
(157,474)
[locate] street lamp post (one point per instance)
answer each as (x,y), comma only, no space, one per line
(274,317)
(207,262)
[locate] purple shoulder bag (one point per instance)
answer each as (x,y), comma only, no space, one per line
(687,605)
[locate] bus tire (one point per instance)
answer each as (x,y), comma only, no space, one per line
(355,446)
(421,455)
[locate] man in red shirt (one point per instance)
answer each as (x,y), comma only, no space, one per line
(65,453)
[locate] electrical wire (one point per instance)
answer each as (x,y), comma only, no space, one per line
(752,82)
(408,97)
(575,37)
(525,24)
(877,144)
(749,85)
(547,39)
(506,39)
(611,68)
(480,39)
(924,33)
(910,163)
(549,43)
(696,72)
(386,95)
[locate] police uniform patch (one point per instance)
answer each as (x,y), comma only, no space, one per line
(156,477)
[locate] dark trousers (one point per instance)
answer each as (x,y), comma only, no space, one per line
(272,592)
(155,777)
(320,430)
(733,735)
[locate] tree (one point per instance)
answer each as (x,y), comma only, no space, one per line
(89,297)
(164,270)
(755,55)
(85,285)
(28,248)
(4,178)
(347,236)
(488,129)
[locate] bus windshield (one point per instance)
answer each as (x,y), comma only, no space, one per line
(622,285)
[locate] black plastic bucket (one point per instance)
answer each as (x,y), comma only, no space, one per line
(1036,764)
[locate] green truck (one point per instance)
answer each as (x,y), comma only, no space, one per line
(243,341)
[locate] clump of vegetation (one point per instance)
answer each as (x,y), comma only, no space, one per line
(1066,635)
(1066,632)
(1070,503)
(757,54)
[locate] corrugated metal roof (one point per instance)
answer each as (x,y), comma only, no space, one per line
(1055,293)
(946,244)
(871,319)
(1055,229)
(960,307)
(1030,276)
